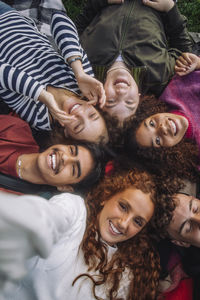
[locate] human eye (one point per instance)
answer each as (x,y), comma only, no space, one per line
(188,227)
(73,150)
(138,221)
(158,141)
(92,115)
(122,206)
(151,123)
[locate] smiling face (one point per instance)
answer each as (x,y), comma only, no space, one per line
(124,215)
(64,164)
(161,130)
(184,228)
(88,124)
(122,97)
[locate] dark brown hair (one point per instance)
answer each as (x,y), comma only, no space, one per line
(137,255)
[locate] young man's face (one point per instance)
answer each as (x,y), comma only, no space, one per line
(122,97)
(184,228)
(64,164)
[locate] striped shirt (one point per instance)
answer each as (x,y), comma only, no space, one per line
(28,63)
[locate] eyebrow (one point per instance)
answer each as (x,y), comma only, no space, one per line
(145,124)
(79,169)
(183,224)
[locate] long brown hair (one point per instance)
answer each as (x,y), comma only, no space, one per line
(137,255)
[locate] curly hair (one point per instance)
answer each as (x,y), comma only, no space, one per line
(137,255)
(180,160)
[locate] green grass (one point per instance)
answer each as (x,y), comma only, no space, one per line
(189,8)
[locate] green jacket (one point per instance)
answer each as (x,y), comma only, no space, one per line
(149,41)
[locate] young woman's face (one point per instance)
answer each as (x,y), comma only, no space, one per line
(124,215)
(88,124)
(161,130)
(64,164)
(122,97)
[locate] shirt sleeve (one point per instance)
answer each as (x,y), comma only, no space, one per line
(18,81)
(30,226)
(176,30)
(66,38)
(91,9)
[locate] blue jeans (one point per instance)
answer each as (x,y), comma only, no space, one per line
(4,7)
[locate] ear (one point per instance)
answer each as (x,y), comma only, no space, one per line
(180,243)
(65,188)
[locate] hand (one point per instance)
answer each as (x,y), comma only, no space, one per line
(186,63)
(48,99)
(115,1)
(92,89)
(160,5)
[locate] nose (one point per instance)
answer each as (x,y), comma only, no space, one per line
(67,158)
(162,128)
(196,218)
(120,90)
(123,223)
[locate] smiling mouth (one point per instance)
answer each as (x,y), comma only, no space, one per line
(53,162)
(173,127)
(114,230)
(121,82)
(74,108)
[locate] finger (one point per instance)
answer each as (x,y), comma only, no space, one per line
(181,65)
(187,58)
(150,3)
(180,69)
(102,101)
(92,102)
(183,61)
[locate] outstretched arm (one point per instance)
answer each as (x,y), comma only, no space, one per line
(31,225)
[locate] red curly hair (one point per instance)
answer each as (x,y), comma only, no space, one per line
(136,254)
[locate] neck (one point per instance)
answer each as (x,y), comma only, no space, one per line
(118,65)
(27,168)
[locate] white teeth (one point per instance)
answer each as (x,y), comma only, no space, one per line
(114,229)
(173,125)
(74,107)
(53,159)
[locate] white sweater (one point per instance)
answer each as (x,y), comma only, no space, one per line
(56,227)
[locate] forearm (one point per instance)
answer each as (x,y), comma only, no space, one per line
(66,36)
(91,9)
(18,81)
(176,30)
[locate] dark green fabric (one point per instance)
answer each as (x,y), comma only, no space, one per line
(143,36)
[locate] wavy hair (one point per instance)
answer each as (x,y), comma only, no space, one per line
(180,160)
(137,255)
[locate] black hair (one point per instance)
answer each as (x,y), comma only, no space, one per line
(101,155)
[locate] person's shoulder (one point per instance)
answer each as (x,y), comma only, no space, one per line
(68,200)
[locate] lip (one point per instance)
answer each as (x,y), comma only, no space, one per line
(173,127)
(114,230)
(121,81)
(53,161)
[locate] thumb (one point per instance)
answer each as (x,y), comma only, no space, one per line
(149,3)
